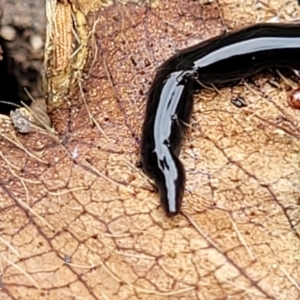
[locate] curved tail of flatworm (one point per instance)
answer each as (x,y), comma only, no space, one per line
(220,60)
(163,131)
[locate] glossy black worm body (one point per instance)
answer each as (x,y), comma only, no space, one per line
(219,60)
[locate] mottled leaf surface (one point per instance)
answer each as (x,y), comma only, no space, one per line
(79,220)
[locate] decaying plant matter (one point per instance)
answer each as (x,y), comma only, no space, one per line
(80,219)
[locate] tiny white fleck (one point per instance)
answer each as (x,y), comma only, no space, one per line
(74,153)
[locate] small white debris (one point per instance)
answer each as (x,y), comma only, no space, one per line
(74,153)
(36,42)
(22,120)
(8,32)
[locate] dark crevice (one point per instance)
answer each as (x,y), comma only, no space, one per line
(9,91)
(20,69)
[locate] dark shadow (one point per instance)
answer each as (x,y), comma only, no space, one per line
(9,87)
